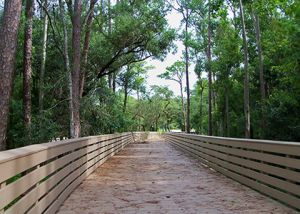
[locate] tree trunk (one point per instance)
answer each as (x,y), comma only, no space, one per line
(110,76)
(67,65)
(156,123)
(8,44)
(27,64)
(110,81)
(256,21)
(76,22)
(246,78)
(227,124)
(114,81)
(183,108)
(86,45)
(188,128)
(201,107)
(109,17)
(138,99)
(215,123)
(125,97)
(44,57)
(210,129)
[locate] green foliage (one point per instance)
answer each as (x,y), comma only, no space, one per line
(123,34)
(102,113)
(139,31)
(283,116)
(175,72)
(199,117)
(279,23)
(127,33)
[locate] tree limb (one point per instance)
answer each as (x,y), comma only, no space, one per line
(51,24)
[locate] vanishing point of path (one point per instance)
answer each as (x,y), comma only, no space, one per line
(154,177)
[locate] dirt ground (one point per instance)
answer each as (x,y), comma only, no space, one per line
(154,177)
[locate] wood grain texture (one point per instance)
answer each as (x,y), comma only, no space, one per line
(269,167)
(44,175)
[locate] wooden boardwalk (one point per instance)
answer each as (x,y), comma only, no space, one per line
(154,177)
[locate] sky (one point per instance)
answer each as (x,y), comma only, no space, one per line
(160,66)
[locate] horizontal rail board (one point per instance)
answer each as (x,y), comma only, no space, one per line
(288,199)
(24,183)
(37,154)
(290,148)
(264,174)
(241,160)
(271,158)
(38,178)
(66,176)
(282,184)
(71,187)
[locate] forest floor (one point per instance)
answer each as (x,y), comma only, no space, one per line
(154,177)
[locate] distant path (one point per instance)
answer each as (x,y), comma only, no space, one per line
(154,177)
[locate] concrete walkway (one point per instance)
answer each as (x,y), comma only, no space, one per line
(154,177)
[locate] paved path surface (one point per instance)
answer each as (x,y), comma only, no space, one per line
(154,177)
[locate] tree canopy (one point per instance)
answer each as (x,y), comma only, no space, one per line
(79,68)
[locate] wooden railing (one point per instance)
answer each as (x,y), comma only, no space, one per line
(38,178)
(140,137)
(270,167)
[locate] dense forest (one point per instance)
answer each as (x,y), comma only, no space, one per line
(79,68)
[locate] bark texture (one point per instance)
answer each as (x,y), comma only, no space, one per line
(256,21)
(210,129)
(246,76)
(27,63)
(125,97)
(114,82)
(44,57)
(201,105)
(8,44)
(67,65)
(227,119)
(182,106)
(76,57)
(188,103)
(86,44)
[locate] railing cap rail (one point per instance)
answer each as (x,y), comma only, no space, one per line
(12,154)
(288,143)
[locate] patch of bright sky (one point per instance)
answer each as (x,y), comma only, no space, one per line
(174,19)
